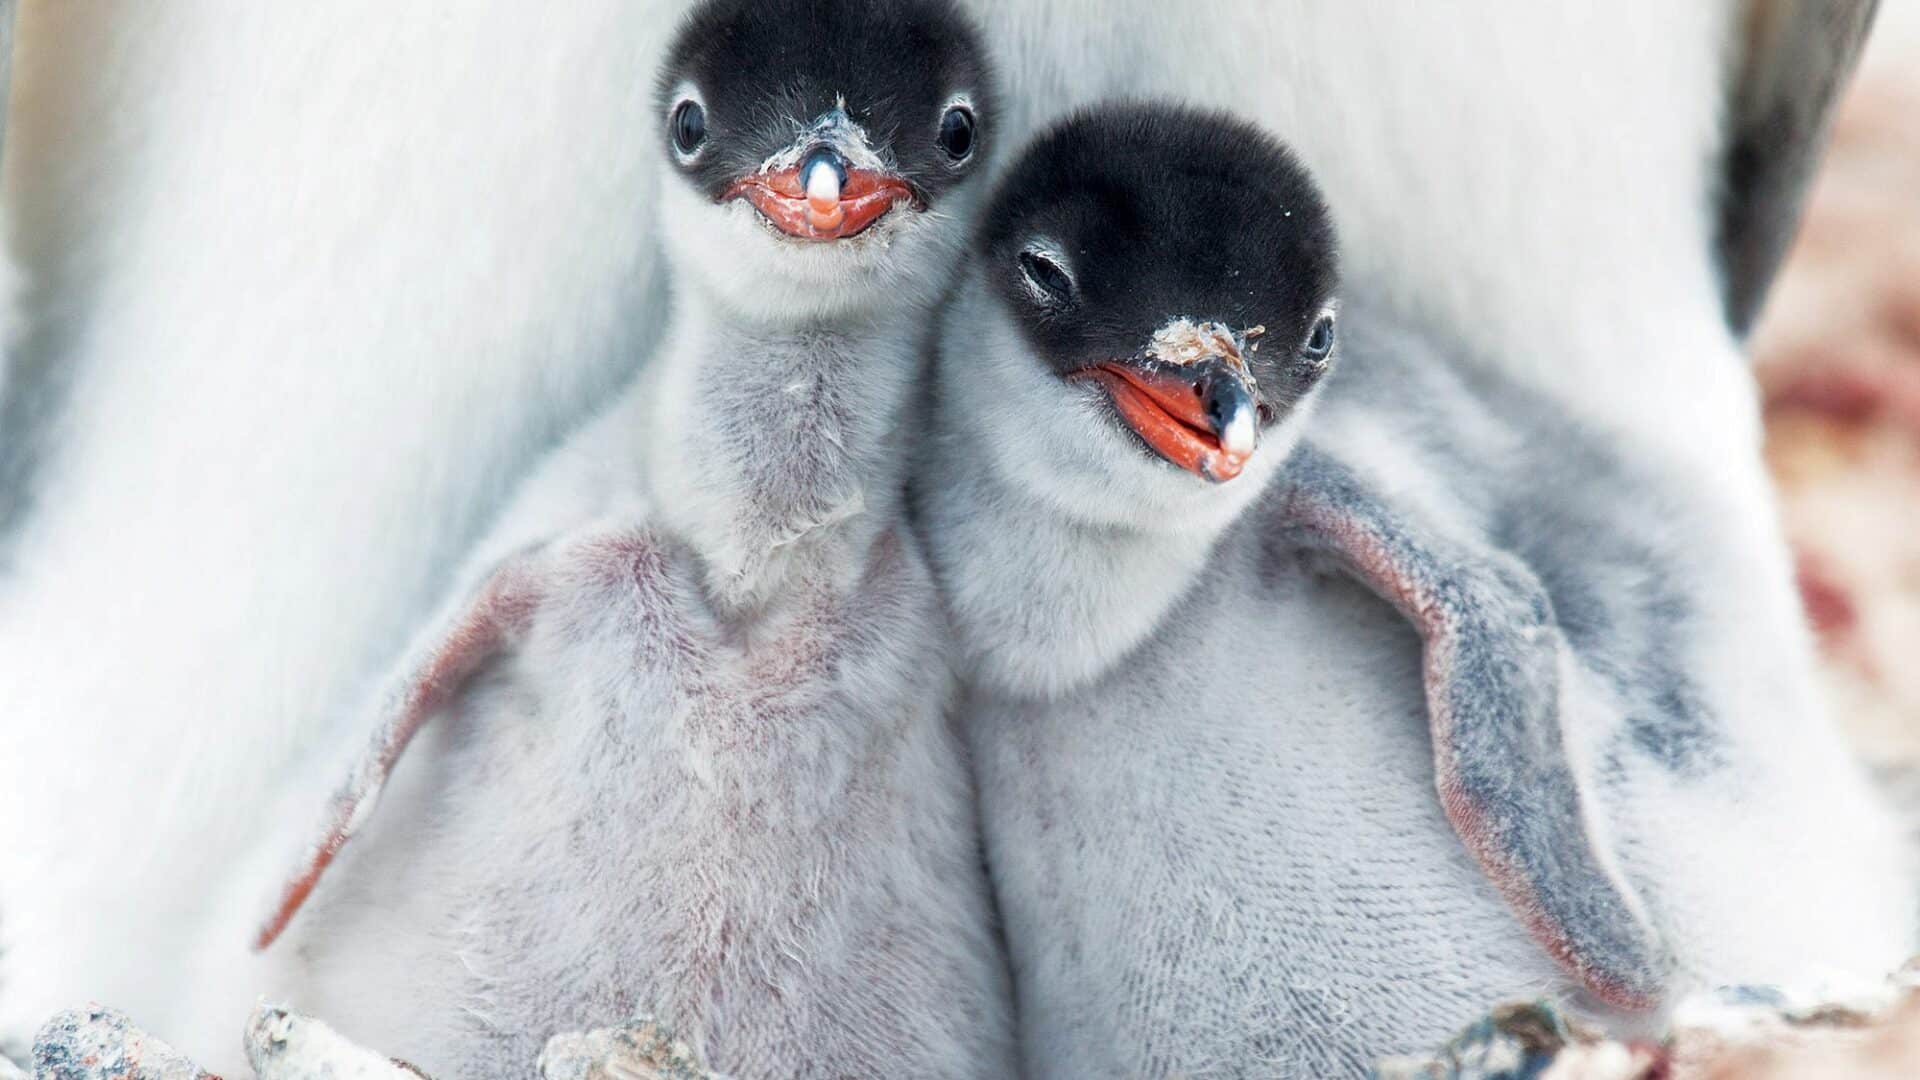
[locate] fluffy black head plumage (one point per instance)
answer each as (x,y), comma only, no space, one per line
(1131,215)
(765,69)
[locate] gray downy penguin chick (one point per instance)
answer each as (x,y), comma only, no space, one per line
(1206,776)
(695,761)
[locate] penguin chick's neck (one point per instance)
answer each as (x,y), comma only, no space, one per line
(776,451)
(1043,601)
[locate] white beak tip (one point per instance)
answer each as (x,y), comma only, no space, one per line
(823,185)
(1238,438)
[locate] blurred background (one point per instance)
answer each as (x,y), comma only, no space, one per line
(1839,363)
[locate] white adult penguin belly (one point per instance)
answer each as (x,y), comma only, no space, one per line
(1238,820)
(311,288)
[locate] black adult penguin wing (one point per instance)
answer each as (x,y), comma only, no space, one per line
(1788,67)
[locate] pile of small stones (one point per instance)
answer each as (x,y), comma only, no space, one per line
(101,1044)
(1869,1033)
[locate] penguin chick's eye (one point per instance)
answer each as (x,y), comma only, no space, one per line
(689,127)
(1047,280)
(1320,338)
(956,133)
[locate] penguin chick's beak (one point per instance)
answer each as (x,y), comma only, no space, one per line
(1199,417)
(1190,397)
(823,197)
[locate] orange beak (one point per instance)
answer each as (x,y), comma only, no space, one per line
(816,200)
(1197,416)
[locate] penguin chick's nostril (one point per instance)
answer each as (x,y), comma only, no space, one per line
(1219,406)
(1223,399)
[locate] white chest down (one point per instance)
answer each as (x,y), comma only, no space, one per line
(1217,848)
(763,834)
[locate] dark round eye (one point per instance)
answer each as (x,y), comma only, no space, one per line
(1320,340)
(689,126)
(956,133)
(1049,281)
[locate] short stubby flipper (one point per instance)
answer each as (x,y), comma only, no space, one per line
(1502,687)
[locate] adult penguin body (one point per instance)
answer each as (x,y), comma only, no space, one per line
(313,286)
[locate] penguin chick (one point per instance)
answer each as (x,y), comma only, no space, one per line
(1168,699)
(1206,775)
(700,767)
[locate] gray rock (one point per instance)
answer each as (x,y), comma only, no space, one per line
(282,1045)
(641,1049)
(96,1043)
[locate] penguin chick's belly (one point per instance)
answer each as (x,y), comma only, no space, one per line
(1227,858)
(765,840)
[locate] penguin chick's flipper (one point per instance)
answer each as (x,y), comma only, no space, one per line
(453,650)
(1499,695)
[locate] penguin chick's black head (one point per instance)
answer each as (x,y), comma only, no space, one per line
(825,114)
(1181,260)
